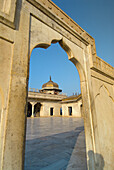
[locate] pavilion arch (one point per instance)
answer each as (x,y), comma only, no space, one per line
(37,109)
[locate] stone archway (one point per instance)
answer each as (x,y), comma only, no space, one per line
(38,23)
(79,62)
(37,109)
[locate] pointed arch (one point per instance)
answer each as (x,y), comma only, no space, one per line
(99,91)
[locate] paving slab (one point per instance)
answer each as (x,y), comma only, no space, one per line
(55,143)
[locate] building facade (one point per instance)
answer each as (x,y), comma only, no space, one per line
(50,102)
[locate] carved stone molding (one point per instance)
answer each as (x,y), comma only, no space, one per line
(55,13)
(7,12)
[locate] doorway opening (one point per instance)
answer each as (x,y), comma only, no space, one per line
(70,111)
(61,111)
(81,110)
(51,111)
(55,122)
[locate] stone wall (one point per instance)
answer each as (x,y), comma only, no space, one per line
(104,96)
(28,24)
(76,108)
(47,105)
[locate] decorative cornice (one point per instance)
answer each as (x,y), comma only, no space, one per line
(102,67)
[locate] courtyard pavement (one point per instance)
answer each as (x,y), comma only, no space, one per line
(55,143)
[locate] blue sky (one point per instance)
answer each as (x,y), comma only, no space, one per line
(94,16)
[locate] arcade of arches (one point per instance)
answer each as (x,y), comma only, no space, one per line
(25,25)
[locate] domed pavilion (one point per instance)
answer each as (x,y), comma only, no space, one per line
(50,87)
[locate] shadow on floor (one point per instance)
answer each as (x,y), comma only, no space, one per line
(54,152)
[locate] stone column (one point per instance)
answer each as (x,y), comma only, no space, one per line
(32,103)
(32,110)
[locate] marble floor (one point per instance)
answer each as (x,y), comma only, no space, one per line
(55,143)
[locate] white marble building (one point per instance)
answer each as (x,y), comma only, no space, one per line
(50,102)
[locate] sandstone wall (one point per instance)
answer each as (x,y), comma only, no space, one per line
(29,24)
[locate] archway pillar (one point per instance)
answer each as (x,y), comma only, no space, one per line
(15,54)
(13,139)
(88,125)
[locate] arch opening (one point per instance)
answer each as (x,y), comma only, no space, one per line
(37,108)
(62,108)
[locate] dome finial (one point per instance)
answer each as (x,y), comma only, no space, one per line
(50,78)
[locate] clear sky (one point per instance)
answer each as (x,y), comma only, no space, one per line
(94,16)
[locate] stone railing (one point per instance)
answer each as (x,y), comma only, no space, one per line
(63,94)
(37,90)
(33,89)
(103,66)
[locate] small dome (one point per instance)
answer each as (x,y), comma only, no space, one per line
(50,83)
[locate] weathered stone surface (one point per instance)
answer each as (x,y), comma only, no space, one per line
(38,23)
